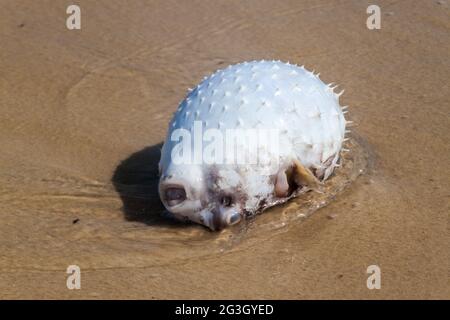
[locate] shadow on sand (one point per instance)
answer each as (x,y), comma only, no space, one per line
(136,181)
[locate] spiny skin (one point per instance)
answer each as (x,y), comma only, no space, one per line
(257,94)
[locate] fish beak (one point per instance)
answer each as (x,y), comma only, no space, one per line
(220,219)
(233,218)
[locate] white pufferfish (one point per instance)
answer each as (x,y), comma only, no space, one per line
(252,95)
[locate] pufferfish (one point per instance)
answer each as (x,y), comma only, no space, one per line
(201,179)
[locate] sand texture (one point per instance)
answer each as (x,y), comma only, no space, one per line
(83,114)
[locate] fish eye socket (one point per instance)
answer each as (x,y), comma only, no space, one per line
(175,195)
(226,201)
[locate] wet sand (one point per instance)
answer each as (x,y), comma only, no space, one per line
(83,114)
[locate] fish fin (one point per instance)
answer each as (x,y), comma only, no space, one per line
(304,177)
(295,176)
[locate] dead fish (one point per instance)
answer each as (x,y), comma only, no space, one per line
(249,137)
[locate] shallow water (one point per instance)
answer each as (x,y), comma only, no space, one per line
(80,211)
(83,114)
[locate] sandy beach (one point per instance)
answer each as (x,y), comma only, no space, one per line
(84,113)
